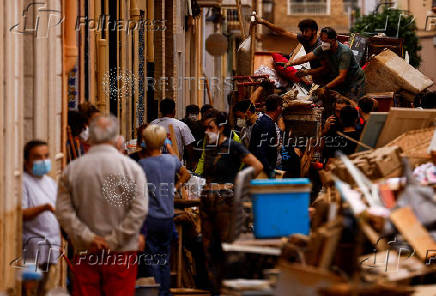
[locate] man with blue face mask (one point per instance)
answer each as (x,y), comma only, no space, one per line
(41,236)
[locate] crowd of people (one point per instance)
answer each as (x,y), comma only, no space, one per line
(110,204)
(116,209)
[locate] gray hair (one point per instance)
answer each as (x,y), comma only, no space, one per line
(103,129)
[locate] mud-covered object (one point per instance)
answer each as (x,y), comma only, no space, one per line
(420,199)
(289,73)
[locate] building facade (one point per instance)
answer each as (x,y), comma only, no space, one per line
(288,13)
(424,12)
(30,107)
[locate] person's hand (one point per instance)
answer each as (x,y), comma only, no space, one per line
(321,91)
(141,242)
(329,122)
(307,80)
(49,207)
(302,72)
(258,19)
(312,212)
(288,64)
(98,243)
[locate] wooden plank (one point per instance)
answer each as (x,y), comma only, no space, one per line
(3,228)
(303,280)
(401,120)
(208,89)
(372,130)
(253,29)
(295,52)
(413,231)
(241,19)
(174,140)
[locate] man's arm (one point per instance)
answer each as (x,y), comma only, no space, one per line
(251,160)
(337,96)
(138,209)
(276,29)
(314,72)
(301,60)
(338,80)
(67,217)
(184,177)
(31,213)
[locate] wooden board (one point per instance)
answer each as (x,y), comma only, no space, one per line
(303,280)
(263,58)
(413,231)
(372,130)
(174,140)
(401,120)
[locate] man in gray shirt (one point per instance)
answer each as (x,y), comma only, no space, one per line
(102,203)
(182,133)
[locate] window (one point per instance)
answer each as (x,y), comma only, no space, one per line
(309,7)
(349,5)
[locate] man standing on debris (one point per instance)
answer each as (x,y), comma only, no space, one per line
(349,78)
(308,36)
(309,39)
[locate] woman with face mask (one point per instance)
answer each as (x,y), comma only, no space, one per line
(223,158)
(246,117)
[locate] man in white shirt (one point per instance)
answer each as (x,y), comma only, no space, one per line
(41,233)
(102,204)
(182,132)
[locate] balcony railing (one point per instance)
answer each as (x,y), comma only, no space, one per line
(308,8)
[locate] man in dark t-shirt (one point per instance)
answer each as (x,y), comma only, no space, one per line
(309,39)
(308,36)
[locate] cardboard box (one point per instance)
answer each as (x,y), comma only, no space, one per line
(376,164)
(388,72)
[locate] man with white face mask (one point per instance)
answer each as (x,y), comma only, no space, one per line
(349,79)
(41,235)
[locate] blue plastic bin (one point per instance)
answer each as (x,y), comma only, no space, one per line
(280,206)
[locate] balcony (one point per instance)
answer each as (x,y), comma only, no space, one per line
(320,8)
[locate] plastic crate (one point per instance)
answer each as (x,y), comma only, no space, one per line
(280,206)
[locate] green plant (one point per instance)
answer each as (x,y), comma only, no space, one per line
(394,23)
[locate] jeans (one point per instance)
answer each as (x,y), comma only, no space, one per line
(157,248)
(215,213)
